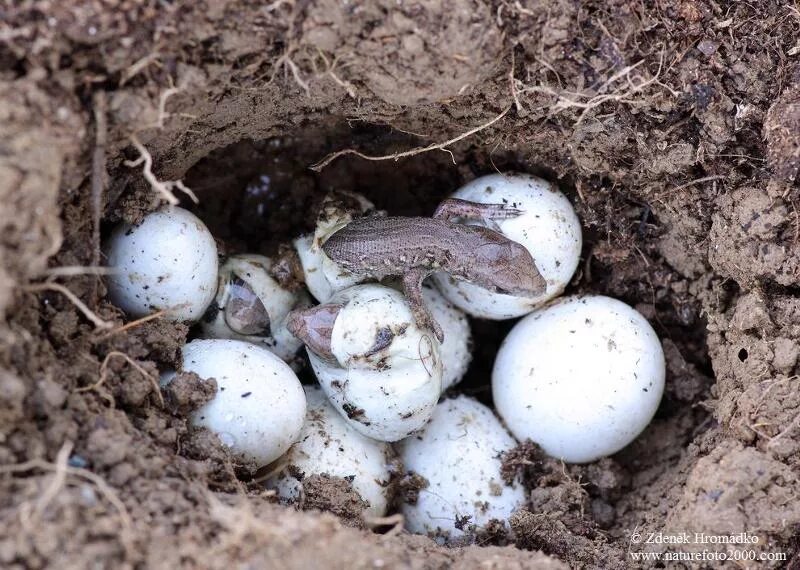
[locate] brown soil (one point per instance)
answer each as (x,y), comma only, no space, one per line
(673,126)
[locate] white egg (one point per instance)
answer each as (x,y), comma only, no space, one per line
(548,228)
(328,445)
(581,377)
(387,374)
(456,350)
(168,261)
(259,408)
(252,306)
(458,453)
(323,277)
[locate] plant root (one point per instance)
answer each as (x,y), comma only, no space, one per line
(104,374)
(136,323)
(87,312)
(317,167)
(31,514)
(165,188)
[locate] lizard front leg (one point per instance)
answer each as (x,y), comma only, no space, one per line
(412,285)
(457,208)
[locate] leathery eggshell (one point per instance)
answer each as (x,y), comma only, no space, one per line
(456,349)
(387,374)
(166,262)
(252,271)
(328,445)
(323,276)
(548,228)
(259,408)
(581,377)
(458,453)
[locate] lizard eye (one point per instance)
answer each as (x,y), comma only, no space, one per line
(244,311)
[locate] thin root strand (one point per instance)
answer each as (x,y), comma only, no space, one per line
(419,150)
(163,188)
(62,470)
(80,305)
(104,374)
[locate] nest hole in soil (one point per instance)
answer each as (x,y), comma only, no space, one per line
(255,195)
(708,138)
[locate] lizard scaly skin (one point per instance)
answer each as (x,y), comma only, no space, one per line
(379,247)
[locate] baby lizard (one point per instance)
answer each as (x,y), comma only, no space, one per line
(377,247)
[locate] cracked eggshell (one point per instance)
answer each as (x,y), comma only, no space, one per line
(456,349)
(387,374)
(260,406)
(548,229)
(168,261)
(253,270)
(338,209)
(458,453)
(328,445)
(581,377)
(323,277)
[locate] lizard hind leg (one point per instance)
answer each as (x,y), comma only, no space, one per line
(412,285)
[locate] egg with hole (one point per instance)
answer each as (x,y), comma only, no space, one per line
(379,369)
(259,408)
(329,445)
(458,453)
(547,227)
(252,306)
(166,262)
(581,377)
(323,276)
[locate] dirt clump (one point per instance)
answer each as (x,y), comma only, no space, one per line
(408,487)
(545,532)
(781,129)
(187,392)
(737,490)
(32,164)
(757,367)
(335,495)
(413,54)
